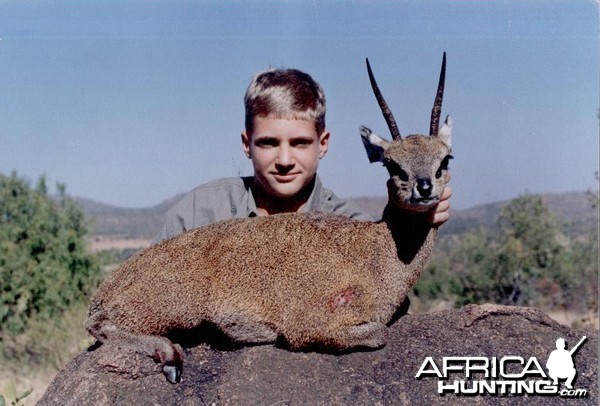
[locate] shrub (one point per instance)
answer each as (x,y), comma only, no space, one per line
(528,260)
(44,266)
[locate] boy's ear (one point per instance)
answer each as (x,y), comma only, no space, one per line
(323,143)
(246,143)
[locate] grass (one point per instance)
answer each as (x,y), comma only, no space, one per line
(12,396)
(31,360)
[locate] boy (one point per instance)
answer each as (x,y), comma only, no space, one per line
(285,137)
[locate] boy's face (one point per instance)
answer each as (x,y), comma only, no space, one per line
(285,154)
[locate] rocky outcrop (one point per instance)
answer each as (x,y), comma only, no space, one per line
(274,376)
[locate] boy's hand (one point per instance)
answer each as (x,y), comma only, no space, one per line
(442,211)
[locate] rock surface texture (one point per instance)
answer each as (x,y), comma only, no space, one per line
(269,375)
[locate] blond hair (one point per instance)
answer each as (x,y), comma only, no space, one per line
(285,94)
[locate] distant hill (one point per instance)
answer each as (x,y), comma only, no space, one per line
(119,222)
(573,210)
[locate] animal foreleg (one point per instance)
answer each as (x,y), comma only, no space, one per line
(160,349)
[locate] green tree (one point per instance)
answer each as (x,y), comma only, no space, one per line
(581,272)
(533,249)
(527,260)
(474,264)
(525,263)
(44,266)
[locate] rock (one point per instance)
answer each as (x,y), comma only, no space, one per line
(274,376)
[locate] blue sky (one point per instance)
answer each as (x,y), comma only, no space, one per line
(132,102)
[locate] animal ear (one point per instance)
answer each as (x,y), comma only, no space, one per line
(374,144)
(445,133)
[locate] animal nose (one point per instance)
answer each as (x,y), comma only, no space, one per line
(424,187)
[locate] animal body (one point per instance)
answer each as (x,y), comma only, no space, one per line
(308,280)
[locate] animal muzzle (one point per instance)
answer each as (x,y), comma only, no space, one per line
(423,193)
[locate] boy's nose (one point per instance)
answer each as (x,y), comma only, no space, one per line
(285,156)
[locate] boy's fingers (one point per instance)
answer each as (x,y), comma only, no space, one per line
(443,206)
(447,194)
(442,211)
(440,218)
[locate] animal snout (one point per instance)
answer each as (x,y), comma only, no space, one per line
(424,187)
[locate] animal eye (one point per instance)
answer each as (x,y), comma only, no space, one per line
(395,170)
(443,166)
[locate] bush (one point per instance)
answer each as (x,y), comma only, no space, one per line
(529,261)
(44,267)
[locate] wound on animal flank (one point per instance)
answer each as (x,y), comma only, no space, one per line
(343,298)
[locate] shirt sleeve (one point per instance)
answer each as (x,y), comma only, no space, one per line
(208,203)
(180,217)
(327,201)
(350,209)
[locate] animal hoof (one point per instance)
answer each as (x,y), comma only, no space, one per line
(172,373)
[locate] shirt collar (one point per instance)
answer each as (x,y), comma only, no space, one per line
(250,203)
(315,200)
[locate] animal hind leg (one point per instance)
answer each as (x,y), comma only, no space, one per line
(159,348)
(246,328)
(370,334)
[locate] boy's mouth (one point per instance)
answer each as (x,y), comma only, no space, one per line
(285,177)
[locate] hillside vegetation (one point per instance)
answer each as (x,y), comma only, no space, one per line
(46,279)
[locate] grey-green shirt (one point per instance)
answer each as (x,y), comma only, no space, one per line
(228,198)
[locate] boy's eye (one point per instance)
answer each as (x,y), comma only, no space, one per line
(301,142)
(266,142)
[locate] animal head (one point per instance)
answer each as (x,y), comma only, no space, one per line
(417,164)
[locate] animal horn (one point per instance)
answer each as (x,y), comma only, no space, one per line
(436,111)
(387,114)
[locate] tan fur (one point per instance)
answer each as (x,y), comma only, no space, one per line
(308,279)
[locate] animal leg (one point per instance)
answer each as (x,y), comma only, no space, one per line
(371,334)
(159,348)
(246,328)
